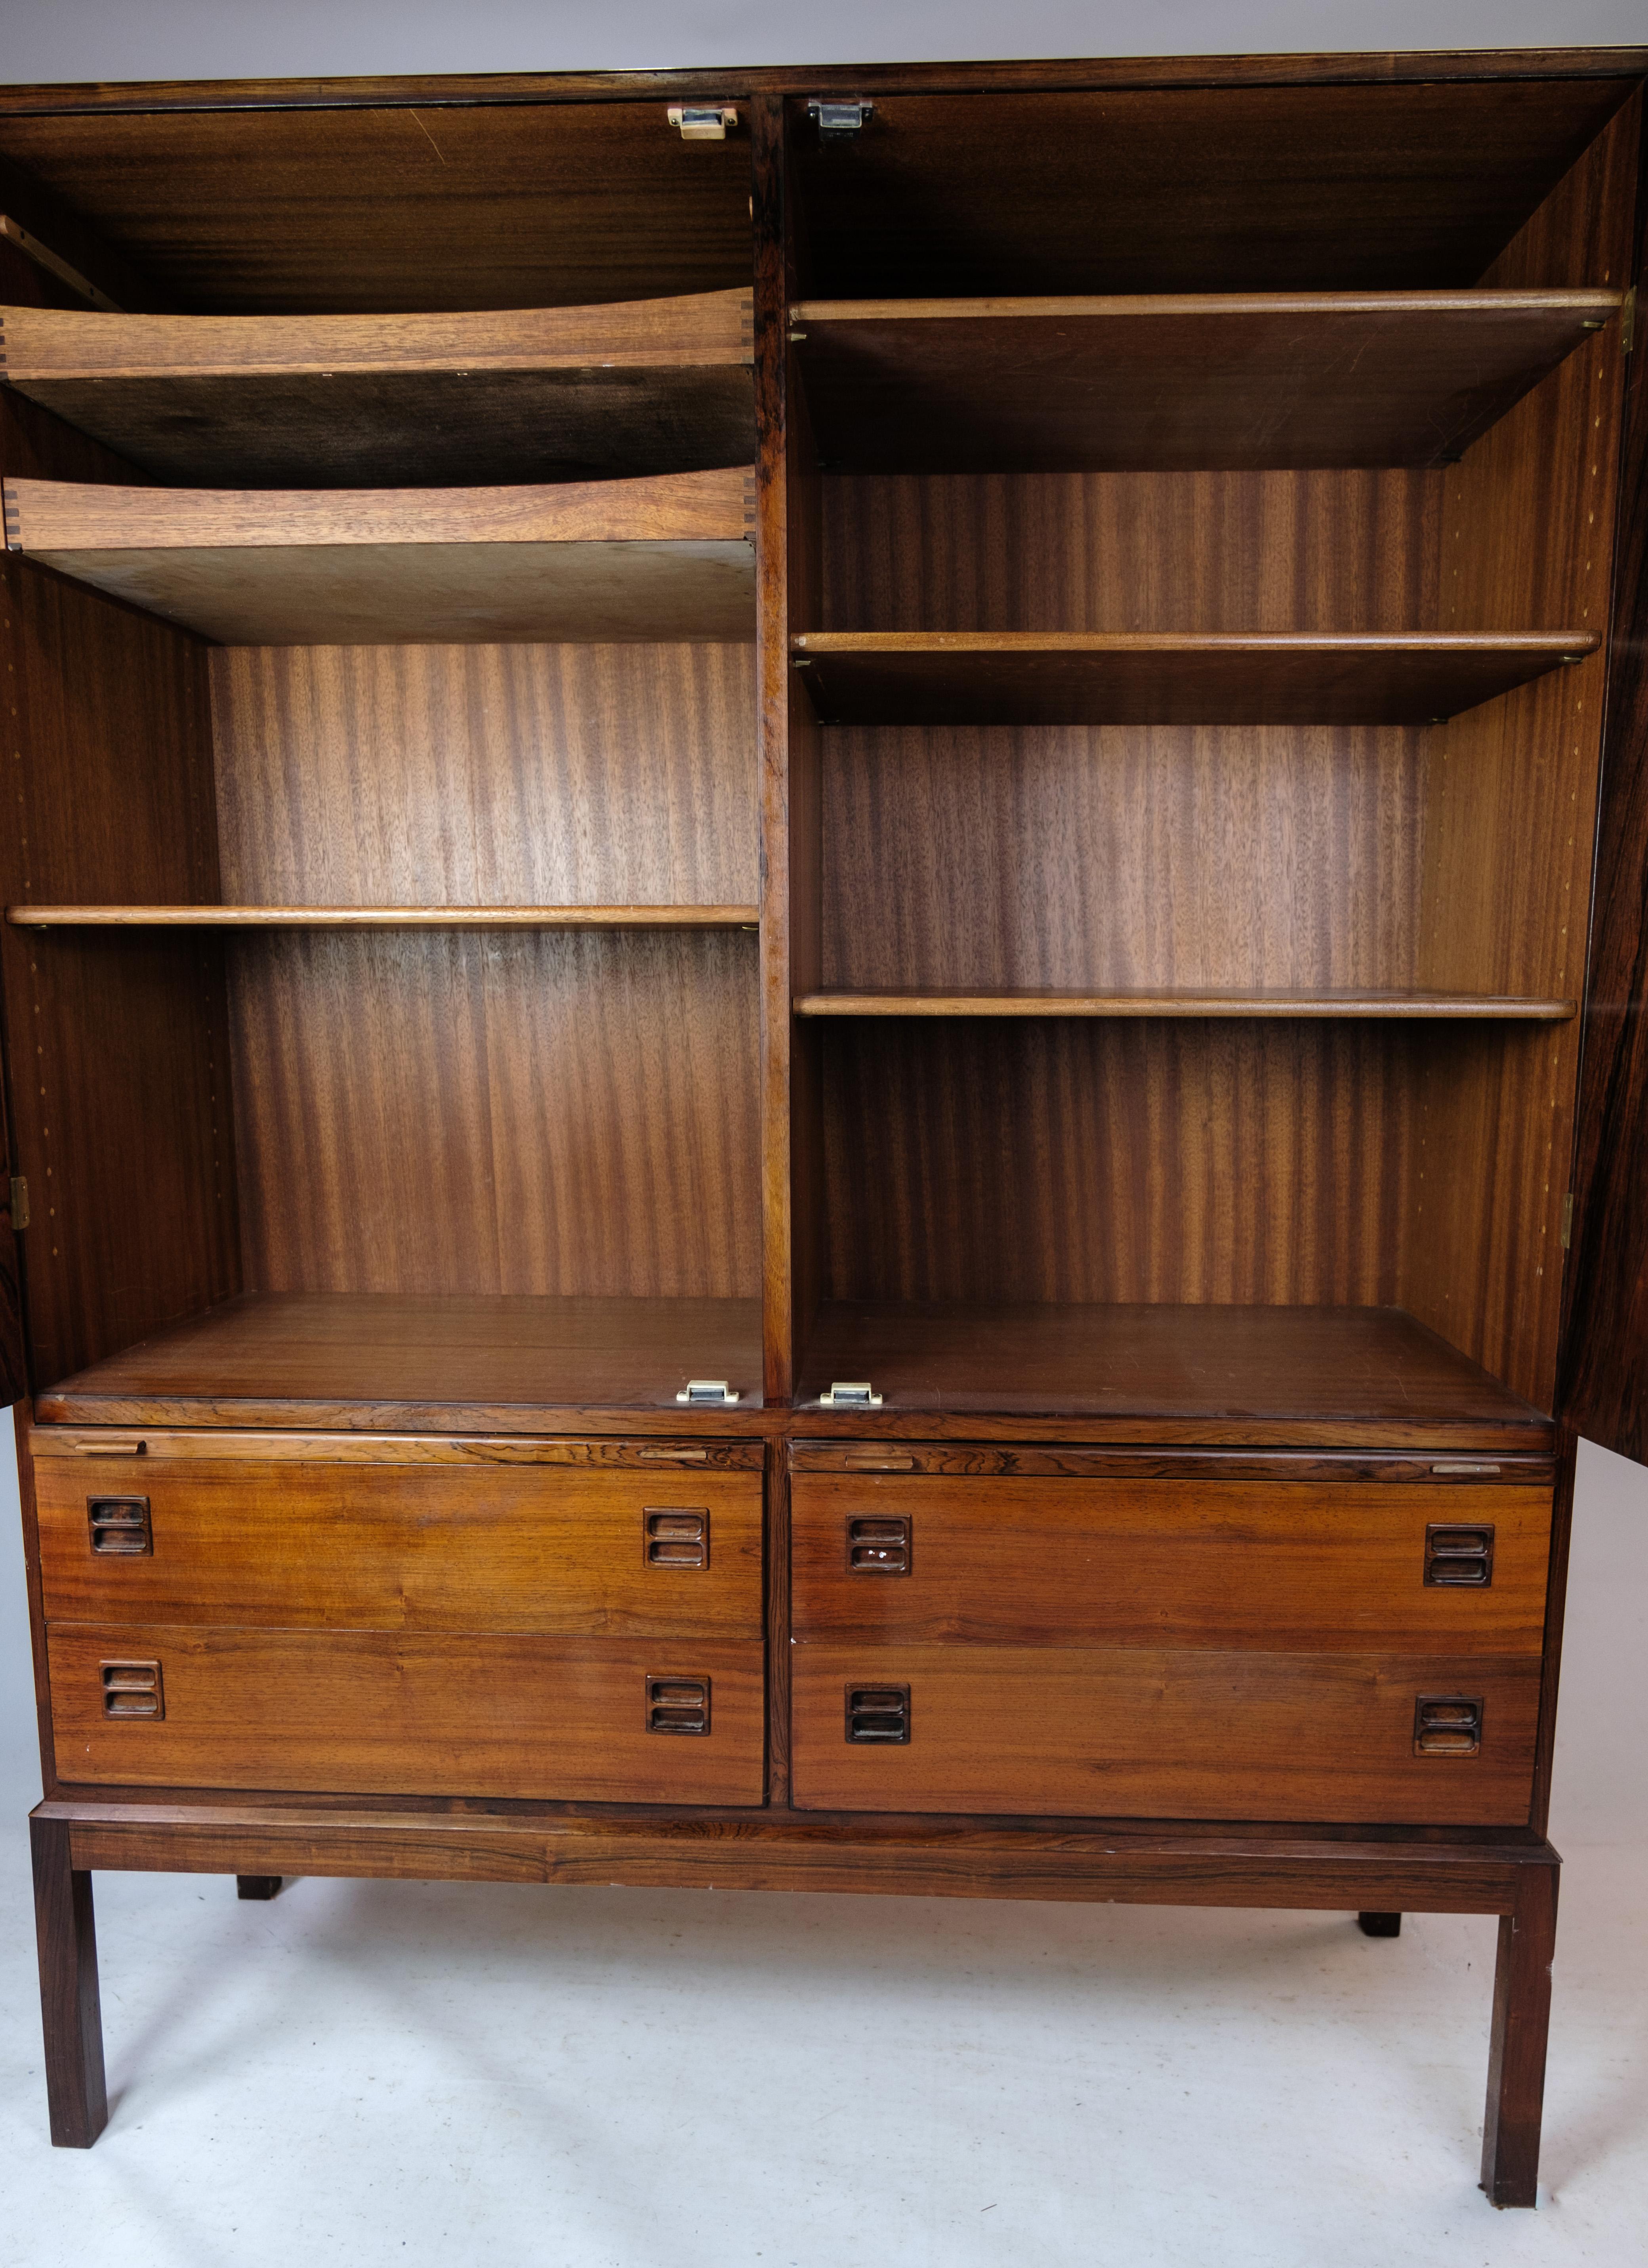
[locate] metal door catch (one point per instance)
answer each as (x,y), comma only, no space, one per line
(702,125)
(839,121)
(714,1393)
(850,1394)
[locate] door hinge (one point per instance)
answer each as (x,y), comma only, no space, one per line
(850,1394)
(839,121)
(707,124)
(711,1393)
(19,1203)
(1628,320)
(1567,1222)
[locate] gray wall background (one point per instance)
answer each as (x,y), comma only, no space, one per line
(1602,1783)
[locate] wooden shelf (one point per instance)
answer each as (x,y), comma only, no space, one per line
(1175,382)
(661,560)
(1232,1367)
(365,1363)
(1079,677)
(383,917)
(649,385)
(1404,1007)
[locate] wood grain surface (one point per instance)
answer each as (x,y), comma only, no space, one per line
(655,386)
(353,1361)
(579,1110)
(525,1548)
(1510,805)
(396,208)
(364,1712)
(1094,1159)
(1201,552)
(77,1444)
(1198,1362)
(1304,1567)
(1142,189)
(972,860)
(486,775)
(965,1460)
(1164,1732)
(118,1050)
(1044,677)
(1405,1006)
(657,559)
(1604,1376)
(1181,382)
(382,916)
(1121,1861)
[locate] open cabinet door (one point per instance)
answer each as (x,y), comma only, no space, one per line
(1604,1393)
(11,1381)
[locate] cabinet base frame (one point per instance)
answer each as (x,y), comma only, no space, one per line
(1125,1865)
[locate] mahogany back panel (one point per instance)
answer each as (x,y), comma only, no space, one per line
(486,775)
(524,1111)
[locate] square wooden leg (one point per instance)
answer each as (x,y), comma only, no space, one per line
(73,2017)
(257,1886)
(1521,2022)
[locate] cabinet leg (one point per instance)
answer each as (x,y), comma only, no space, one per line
(1516,2060)
(257,1886)
(70,2007)
(1379,1925)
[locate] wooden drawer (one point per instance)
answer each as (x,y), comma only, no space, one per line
(1138,1732)
(441,1536)
(1280,1566)
(371,1712)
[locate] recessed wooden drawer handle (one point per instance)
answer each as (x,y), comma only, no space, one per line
(119,1527)
(878,1713)
(1447,1725)
(132,1688)
(678,1704)
(878,1544)
(675,1535)
(1459,1558)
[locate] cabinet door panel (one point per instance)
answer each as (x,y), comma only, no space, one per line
(527,1548)
(1604,1374)
(367,1712)
(1311,1567)
(1148,1733)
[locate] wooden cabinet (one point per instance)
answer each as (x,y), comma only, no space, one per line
(805,1084)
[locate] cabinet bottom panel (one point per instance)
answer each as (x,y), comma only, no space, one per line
(375,1712)
(1421,1739)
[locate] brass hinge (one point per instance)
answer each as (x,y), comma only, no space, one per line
(19,1203)
(1567,1222)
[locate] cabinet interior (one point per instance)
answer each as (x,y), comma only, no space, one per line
(1277,1013)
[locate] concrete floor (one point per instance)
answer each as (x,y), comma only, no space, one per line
(365,2072)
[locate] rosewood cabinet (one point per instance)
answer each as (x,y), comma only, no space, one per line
(823,979)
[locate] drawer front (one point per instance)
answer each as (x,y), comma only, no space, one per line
(368,1712)
(390,1546)
(1282,1566)
(1148,1733)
